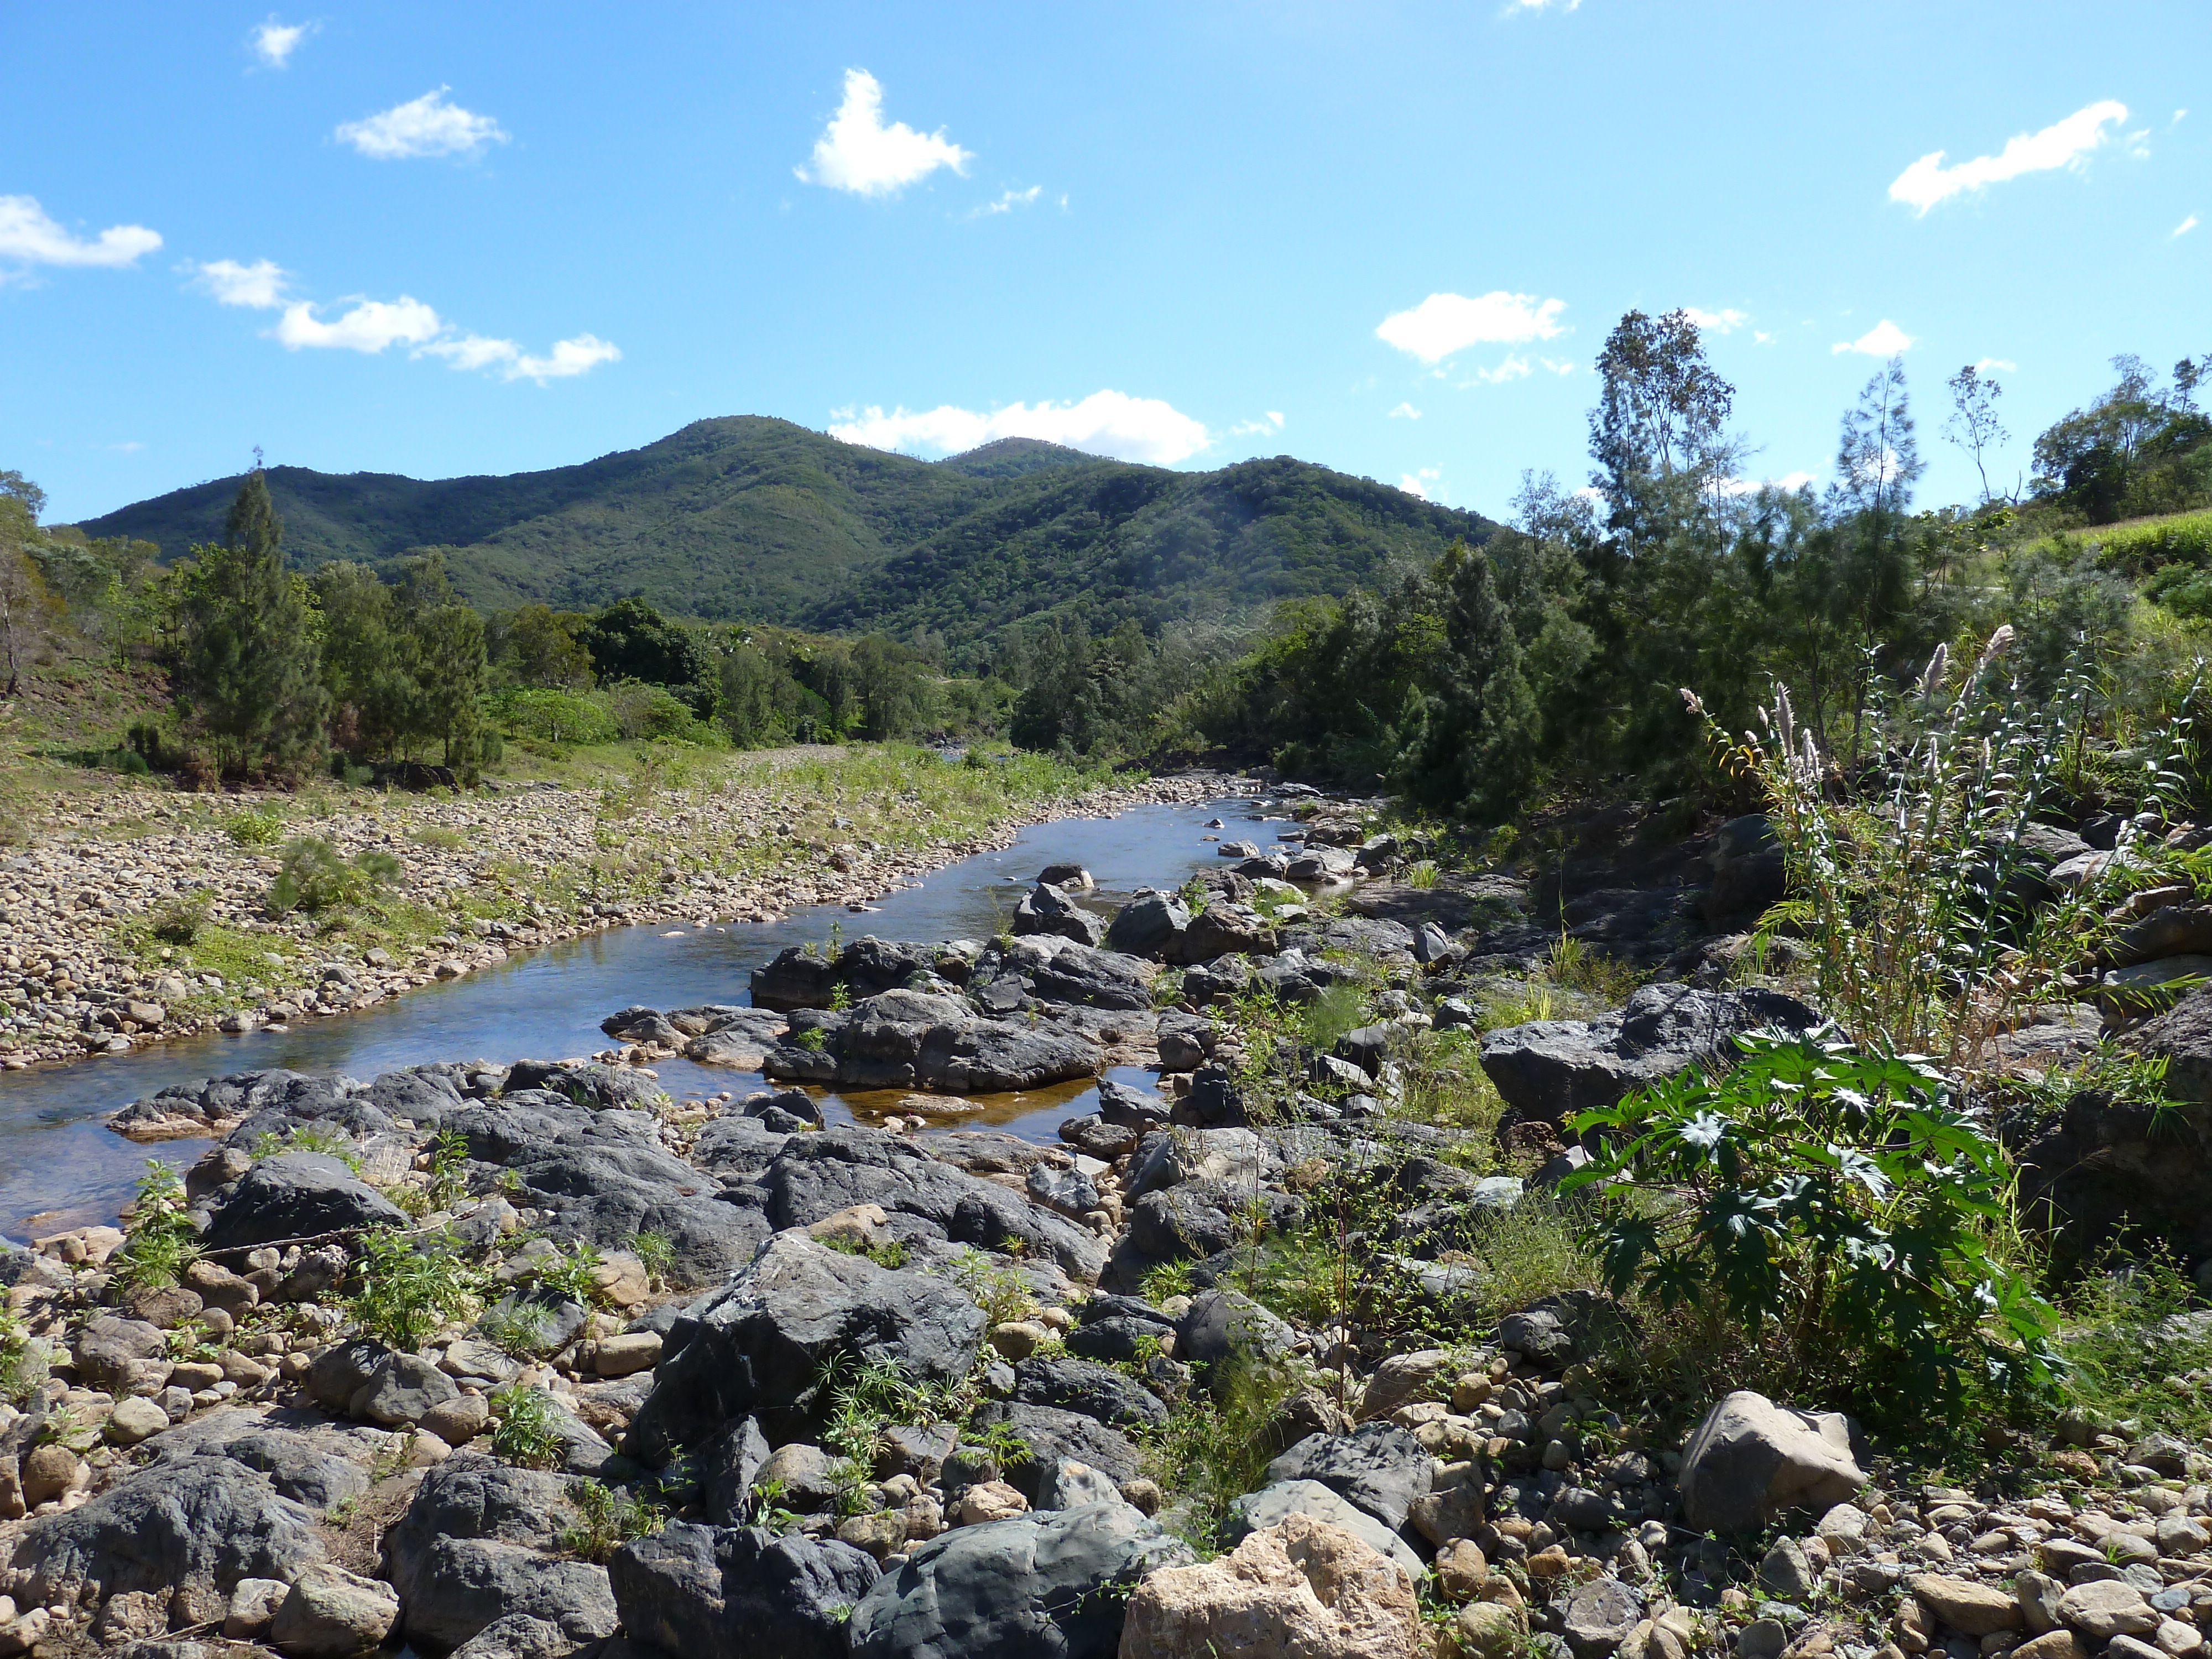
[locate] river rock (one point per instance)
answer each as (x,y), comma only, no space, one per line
(330,1613)
(475,1545)
(1966,1605)
(123,1356)
(798,978)
(1553,1069)
(911,1039)
(402,1390)
(517,1636)
(1597,1617)
(1378,1466)
(1149,925)
(296,1196)
(1099,1391)
(2107,1607)
(1037,1584)
(1046,909)
(1272,1505)
(759,1345)
(1054,1436)
(197,1522)
(1750,1459)
(1059,970)
(818,1176)
(1298,1588)
(702,1590)
(1226,930)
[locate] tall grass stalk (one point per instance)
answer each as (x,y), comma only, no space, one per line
(1910,875)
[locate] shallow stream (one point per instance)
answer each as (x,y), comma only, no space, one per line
(60,1166)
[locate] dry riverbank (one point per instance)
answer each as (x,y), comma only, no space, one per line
(142,914)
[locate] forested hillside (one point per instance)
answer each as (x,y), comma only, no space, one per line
(760,520)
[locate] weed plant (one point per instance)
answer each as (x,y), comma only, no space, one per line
(161,1240)
(605,1520)
(313,876)
(1003,1294)
(656,1252)
(406,1288)
(1215,1447)
(2133,1349)
(522,1330)
(527,1434)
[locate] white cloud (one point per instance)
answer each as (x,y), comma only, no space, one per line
(259,285)
(1884,339)
(370,326)
(1791,482)
(1405,412)
(274,43)
(1428,484)
(1513,369)
(1104,423)
(428,125)
(1513,6)
(1718,322)
(1760,337)
(29,236)
(1273,423)
(129,448)
(2062,144)
(1445,323)
(2005,363)
(1009,200)
(2186,226)
(569,358)
(858,153)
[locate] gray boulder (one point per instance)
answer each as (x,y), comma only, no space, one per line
(1552,1069)
(1597,1617)
(798,978)
(517,1636)
(760,1346)
(727,1465)
(332,1613)
(1050,1585)
(1750,1459)
(1111,1327)
(1053,1435)
(914,1040)
(1226,930)
(1258,1510)
(1046,910)
(476,1545)
(817,1174)
(703,1591)
(1149,925)
(123,1356)
(1221,1323)
(196,1521)
(1379,1466)
(296,1196)
(403,1390)
(1094,1390)
(1059,970)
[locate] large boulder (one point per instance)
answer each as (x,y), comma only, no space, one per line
(332,1613)
(1083,1386)
(2182,1037)
(703,1591)
(1299,1589)
(1750,1459)
(296,1196)
(1054,1436)
(476,1544)
(2106,1164)
(915,1040)
(1223,929)
(1271,1505)
(1059,970)
(1150,924)
(123,1356)
(798,978)
(1051,1585)
(1555,1068)
(1379,1466)
(816,1176)
(1046,909)
(183,1522)
(758,1348)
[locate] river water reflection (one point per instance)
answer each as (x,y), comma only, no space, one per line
(60,1166)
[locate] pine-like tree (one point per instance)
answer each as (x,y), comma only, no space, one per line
(247,675)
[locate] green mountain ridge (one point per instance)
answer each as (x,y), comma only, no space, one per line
(751,519)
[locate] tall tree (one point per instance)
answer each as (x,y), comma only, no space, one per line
(247,677)
(1973,425)
(1658,432)
(24,601)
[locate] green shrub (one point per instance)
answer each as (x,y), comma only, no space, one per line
(1839,1207)
(573,1274)
(24,1359)
(1422,874)
(314,876)
(657,1253)
(407,1288)
(162,1241)
(179,919)
(257,827)
(1001,1292)
(605,1520)
(527,1433)
(523,1330)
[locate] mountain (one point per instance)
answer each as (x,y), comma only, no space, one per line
(756,519)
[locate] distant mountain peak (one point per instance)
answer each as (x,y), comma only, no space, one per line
(1009,458)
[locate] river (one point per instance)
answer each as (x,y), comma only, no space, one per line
(60,1166)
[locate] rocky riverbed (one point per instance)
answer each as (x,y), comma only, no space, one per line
(531,1360)
(93,959)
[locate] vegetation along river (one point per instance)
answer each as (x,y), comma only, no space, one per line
(60,1166)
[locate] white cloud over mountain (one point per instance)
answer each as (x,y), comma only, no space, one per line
(1107,422)
(1446,322)
(859,154)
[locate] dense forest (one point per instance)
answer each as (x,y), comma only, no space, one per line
(761,521)
(1104,611)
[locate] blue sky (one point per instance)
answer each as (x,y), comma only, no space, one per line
(441,240)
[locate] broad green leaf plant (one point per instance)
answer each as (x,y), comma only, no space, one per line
(1841,1206)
